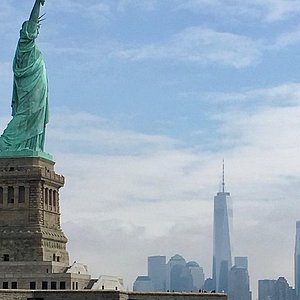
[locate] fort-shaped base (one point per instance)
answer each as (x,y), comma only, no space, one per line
(30,211)
(26,153)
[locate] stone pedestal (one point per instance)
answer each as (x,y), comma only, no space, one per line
(29,211)
(32,244)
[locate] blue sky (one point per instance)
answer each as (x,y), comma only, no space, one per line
(147,98)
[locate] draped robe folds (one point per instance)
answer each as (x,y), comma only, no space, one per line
(26,130)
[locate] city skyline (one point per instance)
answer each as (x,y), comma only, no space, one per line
(177,275)
(152,95)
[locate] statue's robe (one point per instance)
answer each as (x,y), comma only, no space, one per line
(26,130)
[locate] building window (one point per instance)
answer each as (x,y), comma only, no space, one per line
(11,195)
(62,285)
(32,285)
(44,285)
(73,285)
(54,257)
(5,285)
(1,195)
(53,285)
(102,287)
(76,285)
(50,197)
(21,194)
(46,196)
(54,198)
(6,257)
(14,285)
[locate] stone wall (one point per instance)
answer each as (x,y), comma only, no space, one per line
(104,295)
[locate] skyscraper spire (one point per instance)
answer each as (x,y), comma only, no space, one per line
(223,177)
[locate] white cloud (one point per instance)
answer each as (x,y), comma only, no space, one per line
(147,5)
(280,9)
(100,135)
(201,45)
(286,40)
(268,10)
(192,45)
(286,94)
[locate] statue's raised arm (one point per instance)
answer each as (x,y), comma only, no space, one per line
(25,133)
(35,13)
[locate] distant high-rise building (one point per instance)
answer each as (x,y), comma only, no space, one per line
(275,290)
(157,272)
(174,260)
(179,277)
(266,288)
(208,285)
(283,291)
(241,262)
(143,284)
(297,259)
(197,276)
(238,281)
(222,229)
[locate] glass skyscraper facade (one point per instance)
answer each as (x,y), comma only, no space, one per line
(222,248)
(157,272)
(238,280)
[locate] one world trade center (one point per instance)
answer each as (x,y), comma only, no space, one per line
(221,247)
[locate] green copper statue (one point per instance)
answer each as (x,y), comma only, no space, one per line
(25,133)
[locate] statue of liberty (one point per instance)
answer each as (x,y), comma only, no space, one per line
(25,133)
